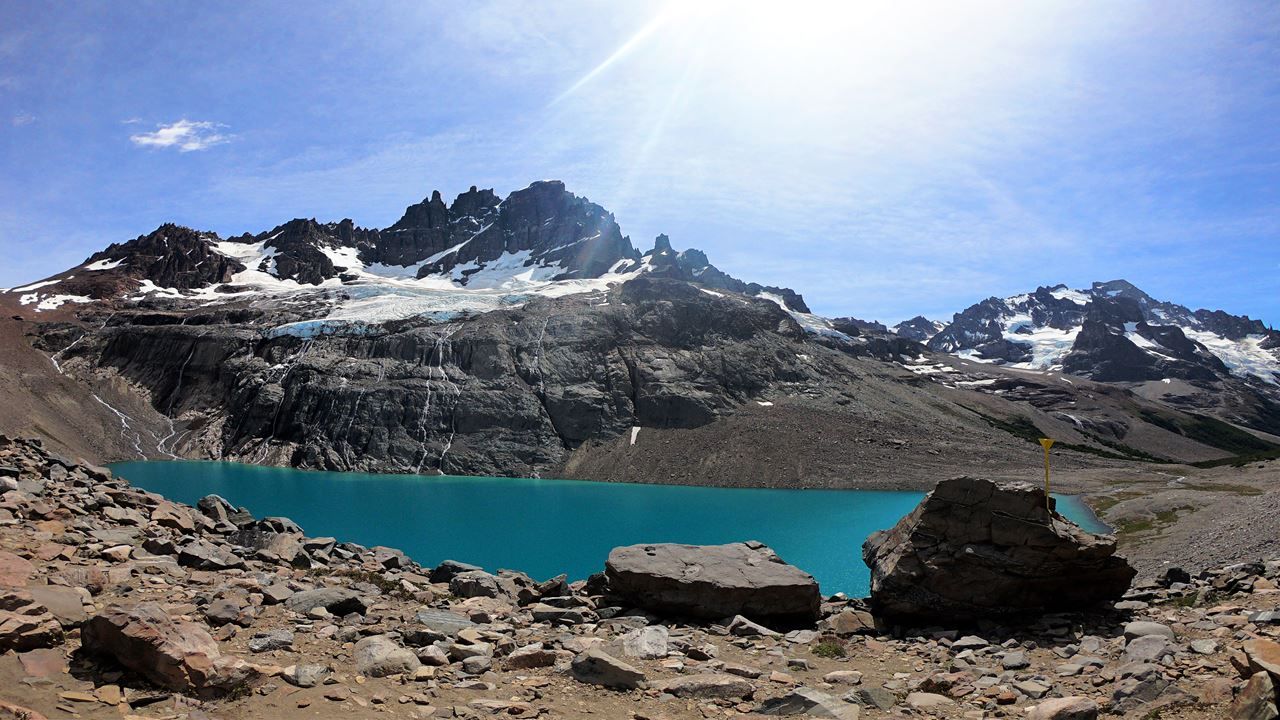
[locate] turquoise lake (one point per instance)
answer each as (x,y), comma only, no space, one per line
(548,527)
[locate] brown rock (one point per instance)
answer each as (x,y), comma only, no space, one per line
(176,655)
(1257,701)
(9,711)
(26,624)
(14,571)
(44,662)
(850,622)
(66,604)
(1263,655)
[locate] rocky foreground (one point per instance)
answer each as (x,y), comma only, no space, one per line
(115,602)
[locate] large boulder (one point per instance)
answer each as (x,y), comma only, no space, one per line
(977,549)
(713,582)
(173,654)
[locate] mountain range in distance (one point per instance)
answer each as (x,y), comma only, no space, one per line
(527,335)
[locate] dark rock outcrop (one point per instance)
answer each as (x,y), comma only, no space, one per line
(975,549)
(171,256)
(919,328)
(692,265)
(713,582)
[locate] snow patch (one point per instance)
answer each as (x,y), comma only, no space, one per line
(38,285)
(53,302)
(104,264)
(1075,296)
(1244,357)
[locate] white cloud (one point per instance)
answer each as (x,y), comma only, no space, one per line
(185,135)
(22,118)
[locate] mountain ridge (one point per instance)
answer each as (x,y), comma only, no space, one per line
(529,337)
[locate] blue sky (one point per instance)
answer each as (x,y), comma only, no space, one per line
(883,159)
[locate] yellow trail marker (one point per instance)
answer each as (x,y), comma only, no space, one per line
(1046,443)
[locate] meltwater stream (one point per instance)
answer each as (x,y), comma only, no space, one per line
(548,527)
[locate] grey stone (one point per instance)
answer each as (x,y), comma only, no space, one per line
(596,667)
(278,639)
(1148,648)
(648,643)
(379,656)
(339,601)
(305,676)
(1139,628)
(713,582)
(809,702)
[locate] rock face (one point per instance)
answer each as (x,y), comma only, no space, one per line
(713,582)
(974,549)
(176,655)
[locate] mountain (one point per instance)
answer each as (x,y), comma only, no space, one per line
(527,336)
(919,328)
(1206,360)
(1112,331)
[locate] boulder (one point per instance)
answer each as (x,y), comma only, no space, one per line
(339,601)
(379,656)
(202,555)
(976,549)
(712,582)
(449,569)
(173,654)
(475,583)
(1257,701)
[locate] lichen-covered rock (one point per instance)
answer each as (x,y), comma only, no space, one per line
(713,582)
(977,549)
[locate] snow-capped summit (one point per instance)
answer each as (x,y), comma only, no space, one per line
(1112,331)
(919,328)
(479,253)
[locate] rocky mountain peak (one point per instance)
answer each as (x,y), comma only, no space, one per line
(919,328)
(1114,331)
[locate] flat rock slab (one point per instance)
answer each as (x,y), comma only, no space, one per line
(14,570)
(45,662)
(713,582)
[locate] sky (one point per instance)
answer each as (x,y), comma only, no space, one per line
(884,159)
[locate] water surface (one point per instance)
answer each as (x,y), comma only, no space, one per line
(548,527)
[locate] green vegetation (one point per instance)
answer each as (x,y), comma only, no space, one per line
(1209,431)
(829,649)
(1022,427)
(1104,503)
(1161,520)
(1239,460)
(1233,488)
